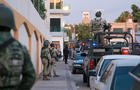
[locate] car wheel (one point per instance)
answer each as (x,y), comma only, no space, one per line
(88,81)
(84,77)
(73,71)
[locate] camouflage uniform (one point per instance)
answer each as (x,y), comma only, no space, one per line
(46,58)
(97,25)
(54,56)
(16,69)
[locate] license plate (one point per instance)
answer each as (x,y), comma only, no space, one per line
(77,65)
(98,50)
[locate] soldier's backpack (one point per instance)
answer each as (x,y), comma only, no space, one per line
(11,61)
(44,54)
(53,53)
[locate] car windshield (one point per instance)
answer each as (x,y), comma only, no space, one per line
(79,57)
(121,79)
(104,65)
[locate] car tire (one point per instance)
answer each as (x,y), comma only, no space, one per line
(73,71)
(84,78)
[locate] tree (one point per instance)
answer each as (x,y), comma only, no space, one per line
(40,7)
(123,17)
(135,13)
(84,32)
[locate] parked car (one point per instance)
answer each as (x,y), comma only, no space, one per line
(136,77)
(77,63)
(103,63)
(115,76)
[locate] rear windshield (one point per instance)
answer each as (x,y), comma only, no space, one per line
(121,79)
(104,65)
(79,57)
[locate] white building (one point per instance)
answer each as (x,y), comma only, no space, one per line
(55,11)
(30,29)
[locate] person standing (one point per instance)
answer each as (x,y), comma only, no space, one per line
(66,53)
(54,56)
(136,50)
(46,59)
(97,25)
(16,68)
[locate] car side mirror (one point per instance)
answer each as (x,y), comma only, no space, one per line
(92,73)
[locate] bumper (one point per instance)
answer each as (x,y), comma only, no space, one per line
(77,66)
(92,73)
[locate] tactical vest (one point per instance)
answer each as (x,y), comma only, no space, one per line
(53,53)
(11,63)
(98,23)
(44,53)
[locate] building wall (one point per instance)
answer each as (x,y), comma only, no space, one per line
(26,9)
(23,36)
(30,29)
(60,39)
(85,17)
(125,27)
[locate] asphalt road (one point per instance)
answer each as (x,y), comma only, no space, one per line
(78,79)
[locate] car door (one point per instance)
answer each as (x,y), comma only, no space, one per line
(98,67)
(107,76)
(94,79)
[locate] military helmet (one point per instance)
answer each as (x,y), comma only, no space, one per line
(52,45)
(6,17)
(46,43)
(98,14)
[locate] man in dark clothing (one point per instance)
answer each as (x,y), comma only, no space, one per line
(136,50)
(65,53)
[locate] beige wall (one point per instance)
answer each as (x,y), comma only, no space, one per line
(125,26)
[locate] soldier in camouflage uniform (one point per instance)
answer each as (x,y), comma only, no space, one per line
(97,25)
(16,69)
(54,56)
(46,59)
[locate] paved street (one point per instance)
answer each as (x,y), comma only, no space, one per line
(64,82)
(79,82)
(78,79)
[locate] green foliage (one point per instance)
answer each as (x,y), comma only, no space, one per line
(123,17)
(40,7)
(135,13)
(83,31)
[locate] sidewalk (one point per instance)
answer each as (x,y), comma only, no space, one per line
(64,82)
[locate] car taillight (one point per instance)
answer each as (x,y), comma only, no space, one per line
(91,64)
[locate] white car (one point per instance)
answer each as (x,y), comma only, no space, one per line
(102,64)
(116,77)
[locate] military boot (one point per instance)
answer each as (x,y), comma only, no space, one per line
(56,75)
(45,77)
